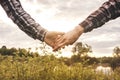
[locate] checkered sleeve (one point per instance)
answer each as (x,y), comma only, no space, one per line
(108,11)
(22,19)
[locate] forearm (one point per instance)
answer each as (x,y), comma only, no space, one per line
(23,20)
(108,11)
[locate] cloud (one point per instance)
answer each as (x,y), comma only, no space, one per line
(12,36)
(72,8)
(61,15)
(105,38)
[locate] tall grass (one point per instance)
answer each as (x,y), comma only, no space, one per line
(48,68)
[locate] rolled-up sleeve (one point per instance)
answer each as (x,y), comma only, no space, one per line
(108,11)
(22,19)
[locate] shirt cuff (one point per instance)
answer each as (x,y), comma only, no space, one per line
(87,25)
(41,34)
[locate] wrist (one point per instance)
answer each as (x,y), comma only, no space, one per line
(79,29)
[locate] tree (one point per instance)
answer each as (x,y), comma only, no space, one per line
(116,51)
(4,50)
(116,59)
(81,49)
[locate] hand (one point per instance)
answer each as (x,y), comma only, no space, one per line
(51,36)
(68,38)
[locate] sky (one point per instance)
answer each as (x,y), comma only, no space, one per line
(61,15)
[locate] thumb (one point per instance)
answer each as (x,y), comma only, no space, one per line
(58,46)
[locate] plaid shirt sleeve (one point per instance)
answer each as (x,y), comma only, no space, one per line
(108,11)
(24,21)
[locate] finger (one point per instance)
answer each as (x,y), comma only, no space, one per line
(59,36)
(60,39)
(59,46)
(57,39)
(59,42)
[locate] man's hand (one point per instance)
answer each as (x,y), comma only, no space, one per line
(50,37)
(68,38)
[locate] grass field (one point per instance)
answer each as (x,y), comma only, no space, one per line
(48,68)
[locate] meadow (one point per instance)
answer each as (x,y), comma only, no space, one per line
(21,64)
(48,68)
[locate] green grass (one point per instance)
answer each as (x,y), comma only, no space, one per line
(48,68)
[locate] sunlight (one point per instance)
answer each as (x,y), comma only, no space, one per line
(58,17)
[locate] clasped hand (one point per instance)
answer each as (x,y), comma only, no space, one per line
(58,40)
